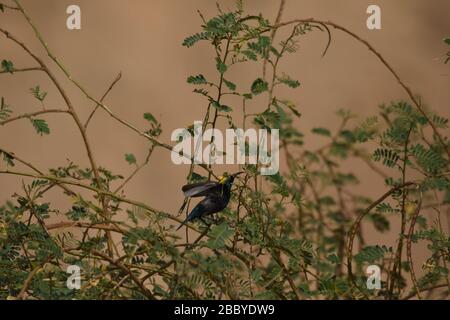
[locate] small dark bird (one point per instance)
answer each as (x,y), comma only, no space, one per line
(217,195)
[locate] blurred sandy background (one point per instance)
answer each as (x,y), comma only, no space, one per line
(142,39)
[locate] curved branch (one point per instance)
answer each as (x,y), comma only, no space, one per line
(354,228)
(408,246)
(383,61)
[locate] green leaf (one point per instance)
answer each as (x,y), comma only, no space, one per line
(221,107)
(439,121)
(259,86)
(198,79)
(230,85)
(334,259)
(387,156)
(428,159)
(195,177)
(8,159)
(38,94)
(280,186)
(292,83)
(250,55)
(5,110)
(366,130)
(7,66)
(379,222)
(149,117)
(371,254)
(219,235)
(447,41)
(41,126)
(130,158)
(322,132)
(221,67)
(385,208)
(191,40)
(260,47)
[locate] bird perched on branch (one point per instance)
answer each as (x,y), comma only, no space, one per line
(217,195)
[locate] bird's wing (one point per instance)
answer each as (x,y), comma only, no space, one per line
(199,189)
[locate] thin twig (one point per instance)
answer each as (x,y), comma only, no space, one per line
(414,293)
(22,70)
(77,224)
(274,31)
(398,264)
(135,171)
(32,114)
(119,75)
(7,6)
(31,166)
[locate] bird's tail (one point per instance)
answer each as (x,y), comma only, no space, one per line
(195,213)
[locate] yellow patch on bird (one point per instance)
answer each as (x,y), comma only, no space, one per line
(222,179)
(410,208)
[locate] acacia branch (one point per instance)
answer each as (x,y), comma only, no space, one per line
(86,93)
(7,6)
(414,293)
(135,171)
(398,264)
(66,99)
(274,31)
(32,114)
(408,246)
(354,228)
(96,190)
(23,70)
(125,269)
(76,224)
(29,279)
(71,110)
(31,166)
(383,61)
